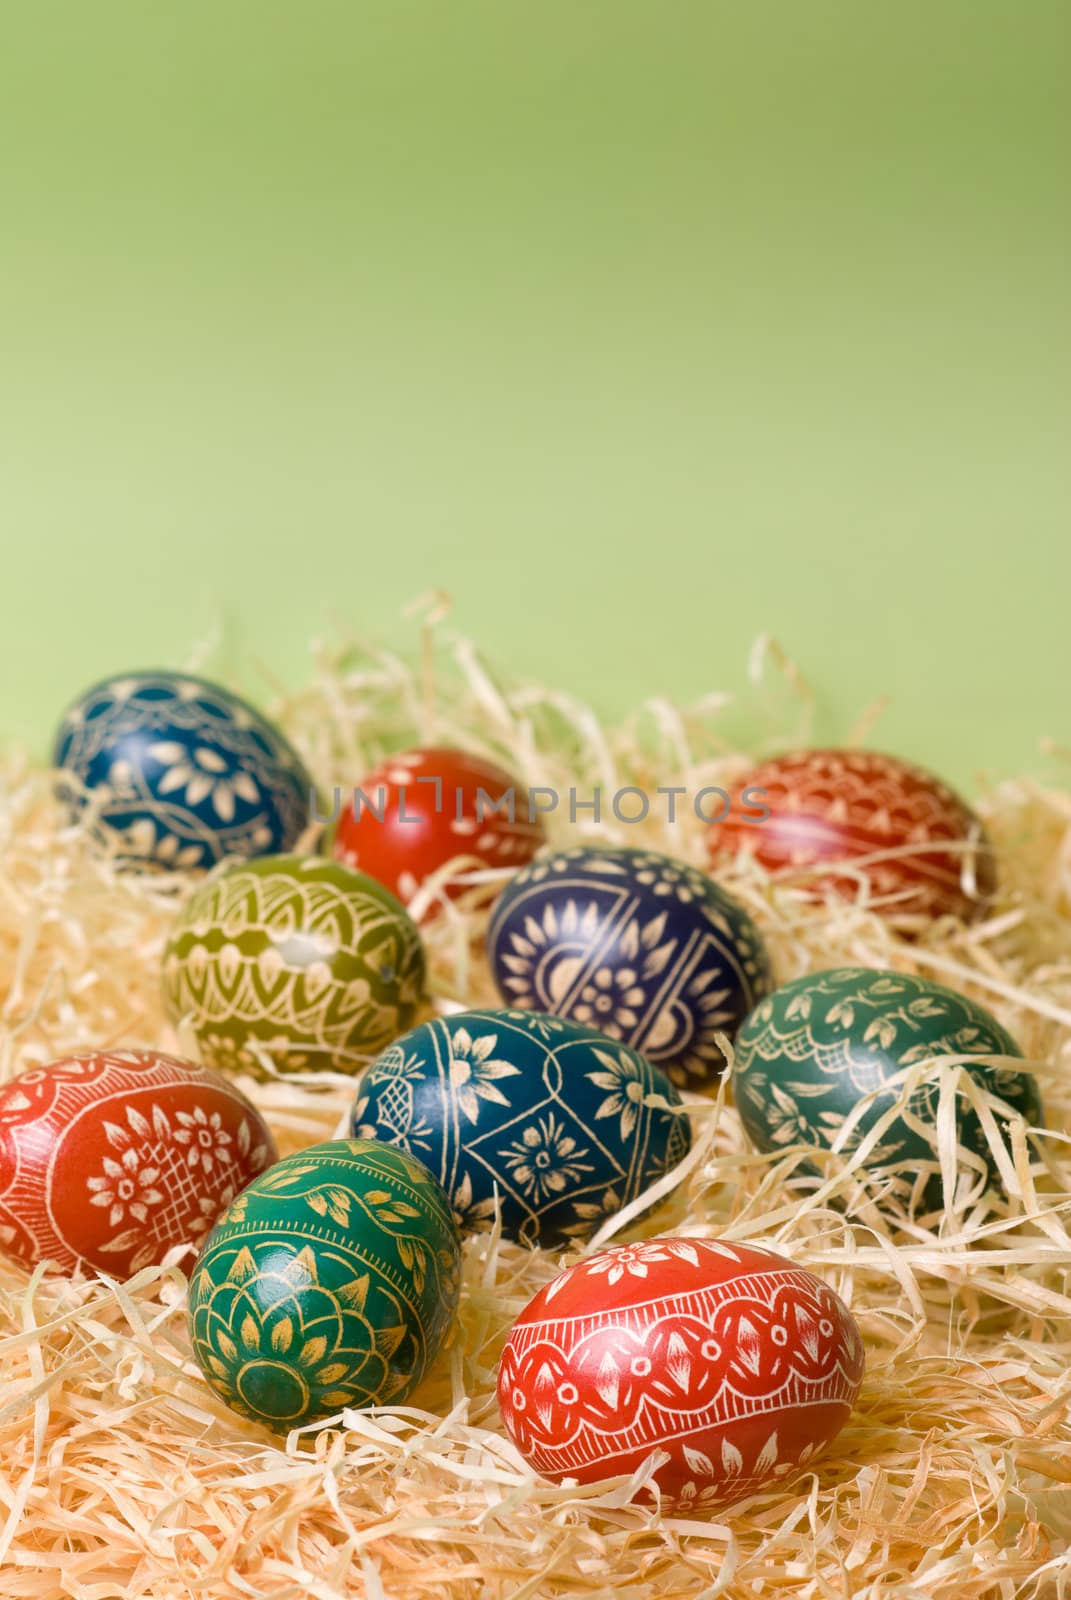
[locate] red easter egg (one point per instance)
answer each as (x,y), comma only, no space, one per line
(909,833)
(736,1363)
(109,1158)
(424,807)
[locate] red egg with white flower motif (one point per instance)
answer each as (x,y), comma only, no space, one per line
(734,1362)
(920,847)
(423,808)
(108,1159)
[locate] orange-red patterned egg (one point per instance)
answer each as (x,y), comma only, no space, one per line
(425,808)
(734,1362)
(110,1158)
(898,828)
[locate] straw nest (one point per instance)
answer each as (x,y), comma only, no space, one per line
(122,1475)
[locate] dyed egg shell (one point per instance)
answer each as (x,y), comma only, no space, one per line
(640,946)
(183,772)
(737,1363)
(548,1113)
(331,1281)
(815,1047)
(312,963)
(108,1159)
(911,836)
(425,807)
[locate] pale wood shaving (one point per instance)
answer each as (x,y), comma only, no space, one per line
(122,1475)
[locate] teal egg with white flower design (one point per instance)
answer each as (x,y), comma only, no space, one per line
(550,1118)
(177,773)
(815,1064)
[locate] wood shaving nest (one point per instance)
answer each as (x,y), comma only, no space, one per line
(122,1475)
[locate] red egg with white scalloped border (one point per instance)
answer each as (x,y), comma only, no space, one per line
(921,847)
(110,1158)
(420,809)
(738,1364)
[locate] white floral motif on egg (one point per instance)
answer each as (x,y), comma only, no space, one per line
(632,943)
(664,1349)
(544,1114)
(173,799)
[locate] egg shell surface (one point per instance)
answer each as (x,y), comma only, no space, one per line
(304,959)
(182,772)
(422,808)
(108,1159)
(814,1048)
(331,1282)
(922,849)
(636,944)
(738,1364)
(549,1114)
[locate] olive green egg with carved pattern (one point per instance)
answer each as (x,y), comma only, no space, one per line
(331,1281)
(815,1048)
(303,962)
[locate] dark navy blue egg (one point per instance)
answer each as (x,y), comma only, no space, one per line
(547,1114)
(634,943)
(180,772)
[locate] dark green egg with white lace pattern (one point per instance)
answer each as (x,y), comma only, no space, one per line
(331,1281)
(814,1048)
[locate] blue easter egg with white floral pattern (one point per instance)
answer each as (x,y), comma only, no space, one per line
(639,945)
(545,1114)
(180,773)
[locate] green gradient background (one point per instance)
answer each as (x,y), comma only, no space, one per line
(640,328)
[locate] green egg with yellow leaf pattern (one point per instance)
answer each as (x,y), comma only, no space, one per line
(331,1281)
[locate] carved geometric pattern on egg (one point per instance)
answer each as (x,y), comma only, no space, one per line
(110,1158)
(546,1117)
(182,772)
(303,958)
(424,807)
(816,1047)
(636,944)
(728,1357)
(912,831)
(331,1282)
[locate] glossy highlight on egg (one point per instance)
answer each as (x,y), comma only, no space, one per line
(294,960)
(734,1363)
(544,1122)
(179,773)
(637,944)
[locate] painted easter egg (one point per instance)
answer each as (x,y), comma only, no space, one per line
(301,959)
(640,946)
(923,851)
(817,1046)
(181,773)
(736,1363)
(110,1158)
(331,1281)
(422,808)
(547,1113)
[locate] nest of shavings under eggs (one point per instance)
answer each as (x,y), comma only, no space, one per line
(121,1474)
